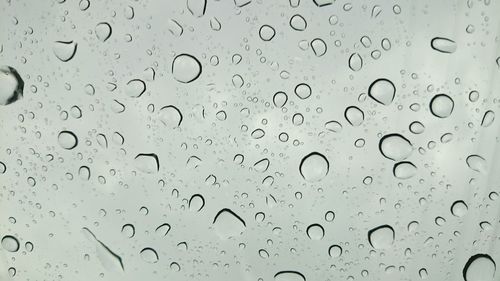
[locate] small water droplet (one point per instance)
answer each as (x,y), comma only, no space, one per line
(290,275)
(149,255)
(333,126)
(266,32)
(314,167)
(228,224)
(67,140)
(459,208)
(186,68)
(488,118)
(128,230)
(303,91)
(135,88)
(64,50)
(354,115)
(355,62)
(147,162)
(404,170)
(103,31)
(297,22)
(196,202)
(319,47)
(476,163)
(197,7)
(170,116)
(280,99)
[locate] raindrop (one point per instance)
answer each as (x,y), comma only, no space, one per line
(319,47)
(266,32)
(315,231)
(381,237)
(3,168)
(404,170)
(488,118)
(480,267)
(382,91)
(441,106)
(354,116)
(147,162)
(10,243)
(64,50)
(333,126)
(11,85)
(128,230)
(149,255)
(395,147)
(474,96)
(303,91)
(290,275)
(84,173)
(476,163)
(186,68)
(228,224)
(314,167)
(261,165)
(335,251)
(175,28)
(322,3)
(170,116)
(355,62)
(258,133)
(197,7)
(67,140)
(459,208)
(106,256)
(443,45)
(103,31)
(280,99)
(135,88)
(298,23)
(196,203)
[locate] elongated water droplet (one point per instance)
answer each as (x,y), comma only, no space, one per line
(186,68)
(395,147)
(11,85)
(476,163)
(103,31)
(443,45)
(314,167)
(67,140)
(333,126)
(381,237)
(197,7)
(266,32)
(228,224)
(480,267)
(64,50)
(441,105)
(382,91)
(163,229)
(106,256)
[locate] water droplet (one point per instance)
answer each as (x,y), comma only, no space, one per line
(290,275)
(476,163)
(315,231)
(354,116)
(480,267)
(333,126)
(258,134)
(135,88)
(280,99)
(11,85)
(149,255)
(395,147)
(423,273)
(10,243)
(303,91)
(297,22)
(443,45)
(64,50)
(441,106)
(319,47)
(163,229)
(106,256)
(266,32)
(459,208)
(381,237)
(488,118)
(382,91)
(175,28)
(147,162)
(186,68)
(128,230)
(314,167)
(261,165)
(67,140)
(416,127)
(241,3)
(322,3)
(170,116)
(355,62)
(197,7)
(196,203)
(3,168)
(404,170)
(228,224)
(474,96)
(103,31)
(335,251)
(215,25)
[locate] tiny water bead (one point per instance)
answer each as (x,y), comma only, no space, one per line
(228,224)
(314,167)
(480,267)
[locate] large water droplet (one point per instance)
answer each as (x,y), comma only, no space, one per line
(197,7)
(280,99)
(303,91)
(382,91)
(147,162)
(11,85)
(480,267)
(404,170)
(319,47)
(315,231)
(395,147)
(228,224)
(298,23)
(333,126)
(186,68)
(64,50)
(196,203)
(170,116)
(381,237)
(149,255)
(443,45)
(67,140)
(476,163)
(441,106)
(10,243)
(335,251)
(266,32)
(103,31)
(354,116)
(459,208)
(289,276)
(314,167)
(135,88)
(355,62)
(488,118)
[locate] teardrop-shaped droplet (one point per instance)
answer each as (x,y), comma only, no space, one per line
(197,7)
(314,167)
(163,229)
(395,147)
(441,105)
(64,50)
(196,202)
(11,85)
(103,31)
(228,224)
(480,267)
(443,45)
(488,118)
(319,47)
(280,99)
(381,237)
(186,68)
(382,91)
(67,140)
